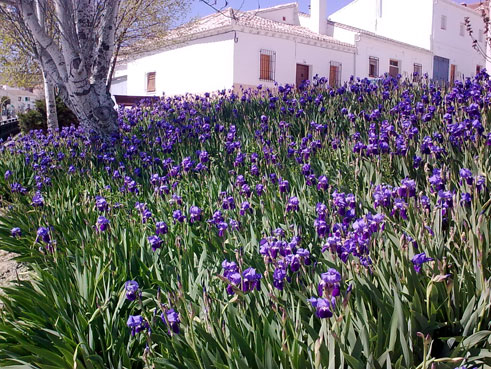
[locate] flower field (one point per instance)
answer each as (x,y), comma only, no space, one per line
(321,228)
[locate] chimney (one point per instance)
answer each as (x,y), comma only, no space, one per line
(318,17)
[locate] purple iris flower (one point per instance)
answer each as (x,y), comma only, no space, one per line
(172,317)
(293,203)
(228,203)
(37,200)
(465,198)
(43,234)
(101,203)
(321,227)
(222,227)
(245,207)
(161,228)
(418,260)
(178,215)
(279,278)
(329,283)
(194,214)
(323,307)
(131,288)
(155,242)
(136,323)
(251,280)
(284,186)
(259,189)
(322,183)
(466,175)
(15,232)
(102,223)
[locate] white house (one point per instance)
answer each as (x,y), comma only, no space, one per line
(280,45)
(436,25)
(16,100)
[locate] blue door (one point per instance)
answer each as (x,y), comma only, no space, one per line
(440,69)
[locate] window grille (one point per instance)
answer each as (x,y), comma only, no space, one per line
(443,22)
(267,65)
(151,82)
(393,68)
(335,74)
(372,66)
(418,71)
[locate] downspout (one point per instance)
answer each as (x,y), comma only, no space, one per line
(433,22)
(357,39)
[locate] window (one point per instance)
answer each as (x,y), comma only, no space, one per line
(27,98)
(478,69)
(393,67)
(151,82)
(335,74)
(372,66)
(379,10)
(19,98)
(418,72)
(481,36)
(443,22)
(267,62)
(462,29)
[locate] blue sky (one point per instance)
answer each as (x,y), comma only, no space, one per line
(199,9)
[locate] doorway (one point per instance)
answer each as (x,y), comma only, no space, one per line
(452,74)
(302,74)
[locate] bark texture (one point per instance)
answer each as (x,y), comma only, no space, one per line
(74,42)
(49,96)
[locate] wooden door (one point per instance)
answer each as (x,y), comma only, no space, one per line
(302,73)
(333,75)
(452,74)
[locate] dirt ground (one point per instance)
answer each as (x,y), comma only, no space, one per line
(9,269)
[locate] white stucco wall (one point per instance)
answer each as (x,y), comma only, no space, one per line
(358,13)
(450,44)
(288,53)
(408,21)
(289,12)
(119,85)
(385,50)
(202,65)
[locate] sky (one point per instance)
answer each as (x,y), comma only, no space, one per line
(199,9)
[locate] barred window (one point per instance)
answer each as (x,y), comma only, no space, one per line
(151,82)
(393,67)
(267,65)
(418,71)
(372,66)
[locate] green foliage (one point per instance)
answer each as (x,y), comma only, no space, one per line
(36,118)
(73,311)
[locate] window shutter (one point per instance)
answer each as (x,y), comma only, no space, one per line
(151,82)
(265,71)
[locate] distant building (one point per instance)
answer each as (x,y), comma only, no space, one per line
(279,45)
(20,100)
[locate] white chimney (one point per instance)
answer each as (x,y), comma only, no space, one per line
(318,17)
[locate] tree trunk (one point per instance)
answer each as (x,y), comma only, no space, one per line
(95,111)
(49,95)
(113,66)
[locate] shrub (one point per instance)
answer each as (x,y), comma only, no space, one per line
(36,118)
